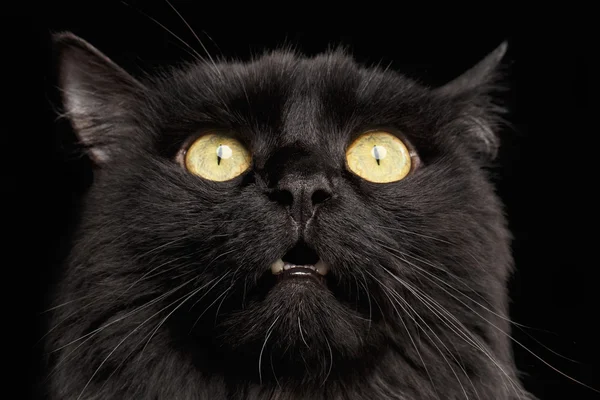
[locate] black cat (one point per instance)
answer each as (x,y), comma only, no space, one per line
(286,228)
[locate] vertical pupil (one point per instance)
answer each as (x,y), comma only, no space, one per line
(378,153)
(219,154)
(224,152)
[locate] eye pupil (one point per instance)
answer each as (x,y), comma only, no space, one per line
(223,152)
(379,153)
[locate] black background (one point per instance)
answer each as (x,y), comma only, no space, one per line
(543,175)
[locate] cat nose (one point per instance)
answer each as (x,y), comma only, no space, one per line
(303,195)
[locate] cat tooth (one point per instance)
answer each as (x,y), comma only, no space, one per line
(287,266)
(277,267)
(321,267)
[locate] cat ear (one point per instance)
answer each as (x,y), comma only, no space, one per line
(97,95)
(478,76)
(471,92)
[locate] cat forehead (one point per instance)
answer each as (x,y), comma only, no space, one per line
(297,96)
(292,73)
(280,64)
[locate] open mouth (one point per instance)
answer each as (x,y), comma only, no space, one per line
(300,262)
(301,272)
(286,270)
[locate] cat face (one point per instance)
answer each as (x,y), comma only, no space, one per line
(214,181)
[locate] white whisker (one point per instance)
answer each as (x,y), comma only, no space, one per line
(301,333)
(196,36)
(123,340)
(461,332)
(330,360)
(176,308)
(168,31)
(268,334)
(386,291)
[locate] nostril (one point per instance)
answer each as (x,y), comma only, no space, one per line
(320,196)
(282,197)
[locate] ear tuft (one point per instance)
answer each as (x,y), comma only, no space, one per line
(97,95)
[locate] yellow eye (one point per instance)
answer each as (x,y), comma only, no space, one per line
(379,157)
(217,157)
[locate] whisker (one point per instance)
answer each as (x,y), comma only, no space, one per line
(130,353)
(122,341)
(211,39)
(386,291)
(301,333)
(425,274)
(65,303)
(176,308)
(269,331)
(459,291)
(166,29)
(63,320)
(439,268)
(330,358)
(224,294)
(90,335)
(273,369)
(162,246)
(402,254)
(212,287)
(120,319)
(469,340)
(397,296)
(152,270)
(196,36)
(461,332)
(523,346)
(366,286)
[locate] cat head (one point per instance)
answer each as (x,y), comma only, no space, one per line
(213,179)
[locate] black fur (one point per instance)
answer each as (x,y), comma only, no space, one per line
(167,293)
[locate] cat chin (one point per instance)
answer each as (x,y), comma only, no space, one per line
(297,324)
